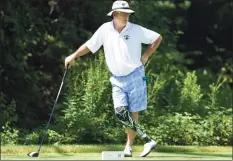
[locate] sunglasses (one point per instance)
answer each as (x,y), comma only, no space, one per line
(119,12)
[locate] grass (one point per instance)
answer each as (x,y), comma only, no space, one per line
(18,149)
(97,156)
(93,152)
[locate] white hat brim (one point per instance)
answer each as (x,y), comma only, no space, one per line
(121,10)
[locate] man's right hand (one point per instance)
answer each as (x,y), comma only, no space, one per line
(69,60)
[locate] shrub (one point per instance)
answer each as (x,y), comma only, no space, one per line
(9,134)
(88,114)
(190,93)
(175,129)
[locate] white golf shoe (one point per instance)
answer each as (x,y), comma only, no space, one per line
(148,147)
(128,151)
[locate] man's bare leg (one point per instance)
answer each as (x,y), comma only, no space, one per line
(131,133)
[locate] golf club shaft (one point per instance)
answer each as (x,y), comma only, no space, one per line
(47,126)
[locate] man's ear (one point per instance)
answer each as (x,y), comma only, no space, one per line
(113,14)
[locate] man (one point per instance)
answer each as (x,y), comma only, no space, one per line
(122,48)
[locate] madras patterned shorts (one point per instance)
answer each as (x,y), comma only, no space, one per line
(130,90)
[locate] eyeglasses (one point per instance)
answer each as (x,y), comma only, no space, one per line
(119,12)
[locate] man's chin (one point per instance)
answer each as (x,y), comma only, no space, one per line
(124,22)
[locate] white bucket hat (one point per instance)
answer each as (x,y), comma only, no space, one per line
(121,6)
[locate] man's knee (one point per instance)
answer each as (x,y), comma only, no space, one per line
(124,116)
(121,113)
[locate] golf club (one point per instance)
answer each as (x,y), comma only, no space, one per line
(36,153)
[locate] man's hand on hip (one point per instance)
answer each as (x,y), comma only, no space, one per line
(144,59)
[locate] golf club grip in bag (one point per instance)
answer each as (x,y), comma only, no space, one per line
(36,154)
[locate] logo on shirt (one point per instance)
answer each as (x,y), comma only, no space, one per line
(126,37)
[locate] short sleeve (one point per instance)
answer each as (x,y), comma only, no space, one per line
(148,36)
(96,41)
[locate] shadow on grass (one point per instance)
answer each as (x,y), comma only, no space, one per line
(204,154)
(198,154)
(60,151)
(172,156)
(181,150)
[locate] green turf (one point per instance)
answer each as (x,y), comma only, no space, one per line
(23,149)
(93,152)
(97,156)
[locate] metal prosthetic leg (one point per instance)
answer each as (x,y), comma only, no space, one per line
(123,115)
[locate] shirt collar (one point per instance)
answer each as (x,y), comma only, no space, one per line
(125,28)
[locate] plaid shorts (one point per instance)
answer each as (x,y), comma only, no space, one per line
(130,90)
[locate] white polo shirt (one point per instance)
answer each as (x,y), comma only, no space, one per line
(122,50)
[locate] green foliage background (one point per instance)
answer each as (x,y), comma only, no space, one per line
(190,88)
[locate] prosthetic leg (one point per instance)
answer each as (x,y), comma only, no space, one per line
(123,115)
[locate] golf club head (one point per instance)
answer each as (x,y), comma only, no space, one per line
(33,154)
